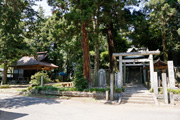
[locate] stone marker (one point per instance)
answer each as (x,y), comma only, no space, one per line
(155,83)
(171,74)
(107,95)
(165,88)
(151,69)
(116,79)
(111,87)
(102,78)
(41,81)
(119,82)
(171,95)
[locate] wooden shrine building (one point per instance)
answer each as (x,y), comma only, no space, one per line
(28,66)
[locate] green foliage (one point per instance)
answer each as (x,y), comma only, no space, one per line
(36,78)
(45,88)
(160,91)
(151,90)
(79,81)
(164,17)
(57,88)
(174,91)
(97,90)
(121,44)
(104,59)
(12,40)
(4,86)
(116,90)
(14,16)
(30,88)
(119,90)
(57,85)
(52,88)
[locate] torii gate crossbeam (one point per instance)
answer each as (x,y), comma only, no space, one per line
(150,60)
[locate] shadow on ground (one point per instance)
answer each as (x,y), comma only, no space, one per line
(10,115)
(21,101)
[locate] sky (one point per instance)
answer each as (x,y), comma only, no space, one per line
(48,12)
(45,6)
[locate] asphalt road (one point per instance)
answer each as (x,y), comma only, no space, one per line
(29,108)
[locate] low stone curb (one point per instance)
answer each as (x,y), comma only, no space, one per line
(97,95)
(176,97)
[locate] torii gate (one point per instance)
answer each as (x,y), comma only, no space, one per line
(150,60)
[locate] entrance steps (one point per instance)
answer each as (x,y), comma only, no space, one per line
(137,94)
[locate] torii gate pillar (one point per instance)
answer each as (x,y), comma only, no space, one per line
(151,69)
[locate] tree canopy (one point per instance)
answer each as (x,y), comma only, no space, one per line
(82,35)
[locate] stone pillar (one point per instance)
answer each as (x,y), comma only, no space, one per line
(124,76)
(120,76)
(140,74)
(41,81)
(165,88)
(155,85)
(111,87)
(171,74)
(151,69)
(107,95)
(116,79)
(144,73)
(171,95)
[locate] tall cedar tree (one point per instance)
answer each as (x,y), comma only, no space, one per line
(79,12)
(11,32)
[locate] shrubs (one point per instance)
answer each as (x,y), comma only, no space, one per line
(80,82)
(36,78)
(119,90)
(97,90)
(116,90)
(51,88)
(174,91)
(4,86)
(57,85)
(160,91)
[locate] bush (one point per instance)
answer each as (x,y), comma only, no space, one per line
(54,88)
(57,85)
(174,91)
(80,82)
(97,90)
(4,86)
(118,90)
(36,78)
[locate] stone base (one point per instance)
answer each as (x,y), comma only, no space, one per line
(97,95)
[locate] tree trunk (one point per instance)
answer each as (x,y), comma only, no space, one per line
(96,57)
(55,62)
(110,46)
(165,53)
(96,62)
(4,79)
(85,49)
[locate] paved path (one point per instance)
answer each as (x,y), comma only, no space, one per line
(29,108)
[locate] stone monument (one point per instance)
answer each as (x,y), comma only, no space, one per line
(102,78)
(116,79)
(119,82)
(171,74)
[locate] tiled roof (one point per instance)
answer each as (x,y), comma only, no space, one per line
(26,60)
